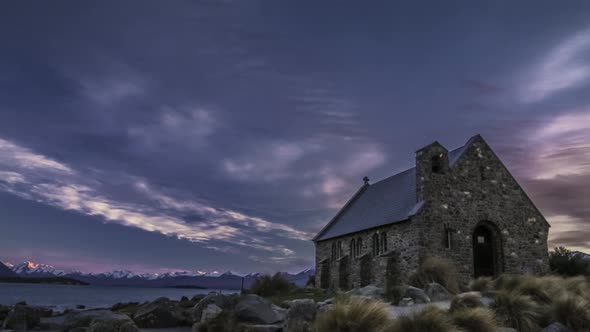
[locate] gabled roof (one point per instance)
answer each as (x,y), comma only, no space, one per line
(385,202)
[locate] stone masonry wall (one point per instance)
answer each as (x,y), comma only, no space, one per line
(479,188)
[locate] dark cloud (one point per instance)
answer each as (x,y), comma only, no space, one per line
(226,132)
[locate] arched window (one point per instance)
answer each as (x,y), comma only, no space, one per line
(333,251)
(384,242)
(375,244)
(436,163)
(339,254)
(352,248)
(359,246)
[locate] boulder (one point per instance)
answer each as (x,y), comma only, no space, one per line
(300,315)
(161,313)
(100,320)
(406,302)
(436,292)
(417,294)
(556,327)
(22,317)
(263,328)
(210,312)
(220,300)
(255,309)
(370,291)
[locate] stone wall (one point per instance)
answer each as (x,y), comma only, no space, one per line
(477,190)
(402,239)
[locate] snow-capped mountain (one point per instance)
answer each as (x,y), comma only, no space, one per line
(5,271)
(215,280)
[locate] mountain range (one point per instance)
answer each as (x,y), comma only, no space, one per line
(197,279)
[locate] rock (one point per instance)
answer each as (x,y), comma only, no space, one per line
(184,299)
(300,315)
(556,327)
(161,313)
(263,328)
(436,292)
(220,300)
(370,291)
(406,302)
(22,317)
(98,321)
(255,309)
(416,294)
(506,329)
(210,312)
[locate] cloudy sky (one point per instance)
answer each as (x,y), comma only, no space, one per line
(218,135)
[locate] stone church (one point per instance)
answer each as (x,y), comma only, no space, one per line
(463,205)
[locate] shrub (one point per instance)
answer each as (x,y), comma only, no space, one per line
(431,319)
(353,314)
(572,311)
(517,311)
(563,261)
(466,301)
(482,284)
(475,320)
(436,269)
(271,285)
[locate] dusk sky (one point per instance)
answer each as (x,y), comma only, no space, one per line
(222,135)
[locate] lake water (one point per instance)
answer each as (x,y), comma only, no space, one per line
(61,297)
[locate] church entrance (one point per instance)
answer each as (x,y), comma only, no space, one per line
(483,252)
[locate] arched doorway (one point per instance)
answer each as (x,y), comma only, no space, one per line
(484,252)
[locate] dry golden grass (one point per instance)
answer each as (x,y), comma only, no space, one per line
(572,311)
(436,269)
(431,319)
(518,311)
(475,320)
(482,284)
(466,301)
(354,314)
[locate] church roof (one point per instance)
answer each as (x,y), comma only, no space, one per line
(384,202)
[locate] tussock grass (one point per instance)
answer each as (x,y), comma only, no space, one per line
(436,269)
(475,320)
(508,282)
(354,314)
(518,311)
(466,301)
(431,319)
(482,284)
(571,311)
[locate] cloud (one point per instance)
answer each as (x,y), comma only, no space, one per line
(562,68)
(563,146)
(186,126)
(57,185)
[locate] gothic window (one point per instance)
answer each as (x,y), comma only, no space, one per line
(339,254)
(352,248)
(375,244)
(333,251)
(448,238)
(383,242)
(359,246)
(436,163)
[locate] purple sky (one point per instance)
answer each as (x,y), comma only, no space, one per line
(218,135)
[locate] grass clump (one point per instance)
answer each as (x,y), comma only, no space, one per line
(518,311)
(271,285)
(315,294)
(353,314)
(571,311)
(436,269)
(466,301)
(482,284)
(475,320)
(224,322)
(431,319)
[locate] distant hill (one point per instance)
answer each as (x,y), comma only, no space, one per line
(227,280)
(6,272)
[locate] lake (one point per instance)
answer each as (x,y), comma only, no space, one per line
(61,297)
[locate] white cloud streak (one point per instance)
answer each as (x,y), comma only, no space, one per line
(562,68)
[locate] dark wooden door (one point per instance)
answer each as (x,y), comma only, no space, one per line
(483,252)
